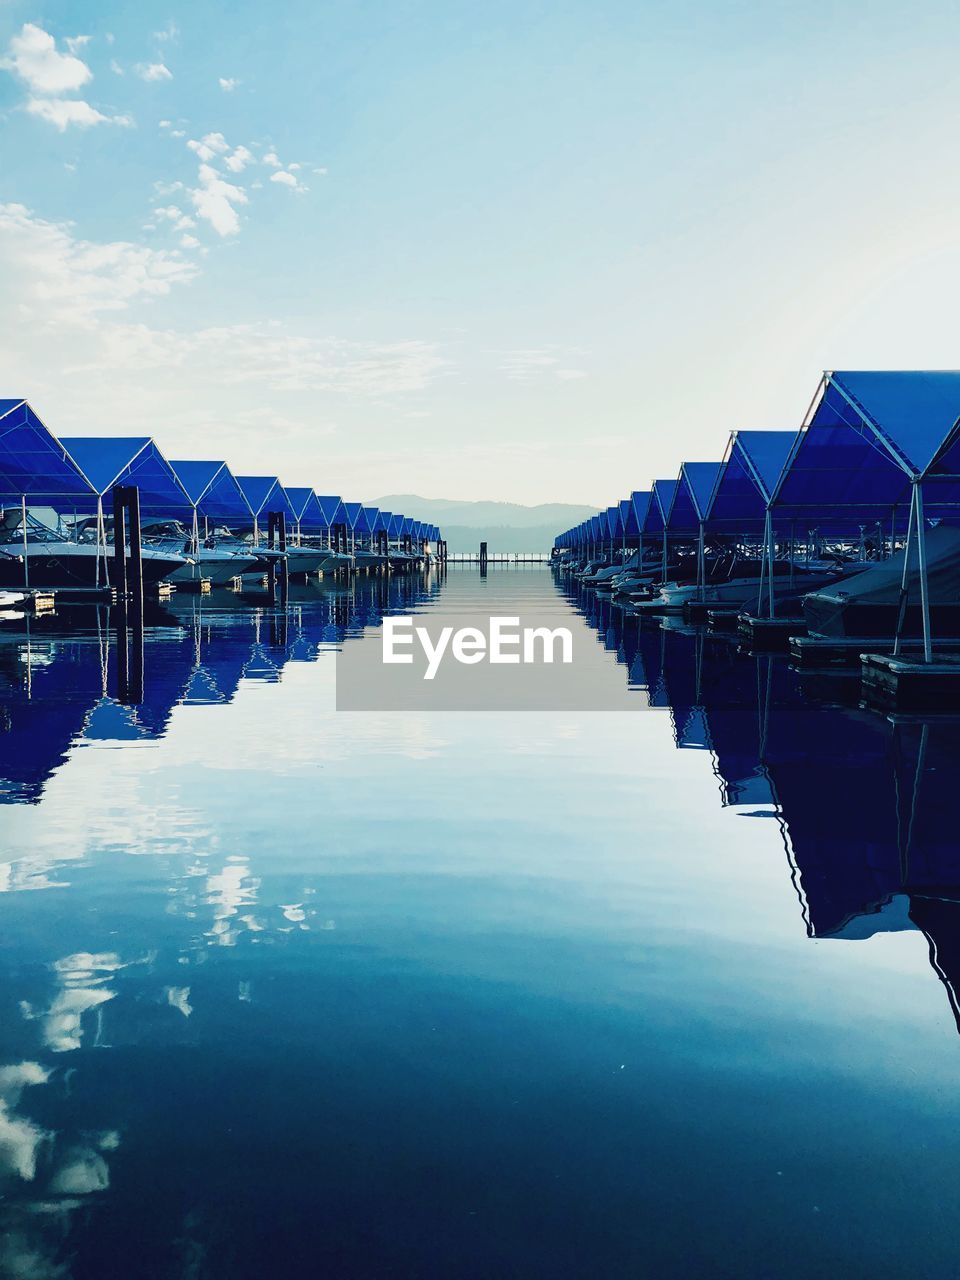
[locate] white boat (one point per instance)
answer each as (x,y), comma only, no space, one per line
(57,558)
(220,561)
(10,599)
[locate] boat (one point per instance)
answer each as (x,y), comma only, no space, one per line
(743,581)
(10,599)
(54,558)
(868,603)
(219,561)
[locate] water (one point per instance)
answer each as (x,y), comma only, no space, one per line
(286,991)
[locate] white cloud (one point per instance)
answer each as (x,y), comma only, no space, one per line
(272,159)
(189,242)
(164,124)
(178,133)
(209,146)
(75,280)
(286,179)
(75,43)
(33,56)
(153,71)
(63,112)
(215,201)
(321,172)
(228,84)
(116,68)
(294,166)
(170,32)
(238,159)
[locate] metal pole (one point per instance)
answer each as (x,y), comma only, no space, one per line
(902,606)
(101,541)
(770,551)
(924,588)
(701,574)
(23,531)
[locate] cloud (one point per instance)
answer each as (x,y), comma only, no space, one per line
(228,84)
(33,56)
(170,32)
(286,179)
(209,146)
(524,364)
(75,280)
(272,159)
(116,68)
(153,71)
(215,201)
(74,43)
(238,160)
(189,242)
(63,112)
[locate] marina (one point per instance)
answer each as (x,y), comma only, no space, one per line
(715,927)
(842,531)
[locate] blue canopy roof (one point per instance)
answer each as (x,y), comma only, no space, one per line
(372,516)
(307,506)
(747,478)
(408,525)
(34,465)
(661,500)
(614,522)
(132,460)
(212,488)
(266,494)
(691,496)
(867,435)
(396,525)
(332,509)
(356,518)
(383,522)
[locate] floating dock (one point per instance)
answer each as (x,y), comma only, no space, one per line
(769,633)
(905,684)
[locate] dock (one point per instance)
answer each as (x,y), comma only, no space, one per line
(906,684)
(769,633)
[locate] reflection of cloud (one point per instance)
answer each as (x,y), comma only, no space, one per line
(19,1139)
(84,978)
(227,891)
(84,1172)
(179,998)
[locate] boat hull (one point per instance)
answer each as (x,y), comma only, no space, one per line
(71,564)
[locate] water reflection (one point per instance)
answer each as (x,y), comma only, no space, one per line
(867,805)
(479,996)
(84,674)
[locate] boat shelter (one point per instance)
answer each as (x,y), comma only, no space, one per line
(214,492)
(266,496)
(35,468)
(877,450)
(108,461)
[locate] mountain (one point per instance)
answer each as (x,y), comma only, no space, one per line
(504,526)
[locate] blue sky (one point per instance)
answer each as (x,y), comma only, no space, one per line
(526,251)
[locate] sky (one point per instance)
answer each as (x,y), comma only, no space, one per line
(535,252)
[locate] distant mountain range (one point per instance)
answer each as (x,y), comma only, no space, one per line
(504,526)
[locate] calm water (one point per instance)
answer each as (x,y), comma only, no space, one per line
(291,992)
